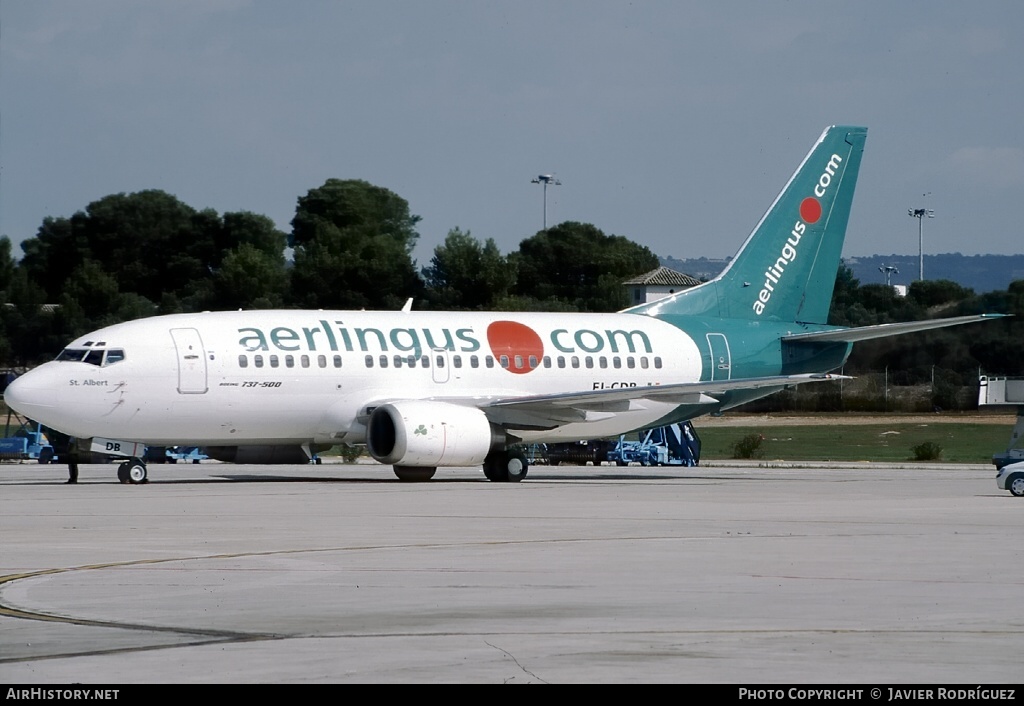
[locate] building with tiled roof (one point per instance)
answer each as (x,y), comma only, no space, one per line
(657,284)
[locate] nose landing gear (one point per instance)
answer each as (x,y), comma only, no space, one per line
(132,471)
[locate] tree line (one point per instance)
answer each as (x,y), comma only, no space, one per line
(958,353)
(127,256)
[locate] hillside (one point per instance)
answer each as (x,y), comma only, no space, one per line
(982,273)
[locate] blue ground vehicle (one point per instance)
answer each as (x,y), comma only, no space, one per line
(27,442)
(673,445)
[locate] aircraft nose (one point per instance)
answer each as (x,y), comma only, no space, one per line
(30,395)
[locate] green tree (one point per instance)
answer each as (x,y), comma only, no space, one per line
(94,292)
(250,278)
(150,241)
(463,274)
(7,263)
(252,229)
(91,300)
(844,296)
(951,357)
(938,293)
(996,346)
(353,246)
(577,264)
(28,325)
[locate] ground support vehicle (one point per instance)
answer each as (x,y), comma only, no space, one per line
(1007,392)
(673,445)
(28,442)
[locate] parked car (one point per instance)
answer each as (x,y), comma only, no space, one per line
(1011,477)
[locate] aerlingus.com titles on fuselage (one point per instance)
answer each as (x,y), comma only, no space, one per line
(501,336)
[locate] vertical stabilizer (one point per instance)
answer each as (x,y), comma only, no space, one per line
(786,269)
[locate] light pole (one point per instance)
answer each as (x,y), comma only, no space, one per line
(920,214)
(546,179)
(889,270)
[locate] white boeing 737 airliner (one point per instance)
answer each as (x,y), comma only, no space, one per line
(424,389)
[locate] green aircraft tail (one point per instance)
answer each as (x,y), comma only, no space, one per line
(786,269)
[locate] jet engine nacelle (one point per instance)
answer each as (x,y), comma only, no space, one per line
(424,433)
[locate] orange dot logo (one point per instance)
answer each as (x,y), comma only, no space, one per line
(517,347)
(810,210)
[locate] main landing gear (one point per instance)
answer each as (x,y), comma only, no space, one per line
(132,471)
(500,466)
(505,466)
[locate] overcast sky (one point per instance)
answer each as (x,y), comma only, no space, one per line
(673,123)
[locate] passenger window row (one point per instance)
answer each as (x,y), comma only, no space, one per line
(274,361)
(517,362)
(456,360)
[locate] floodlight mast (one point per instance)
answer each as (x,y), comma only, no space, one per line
(920,214)
(546,179)
(888,270)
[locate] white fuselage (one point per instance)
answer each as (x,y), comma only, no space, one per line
(295,377)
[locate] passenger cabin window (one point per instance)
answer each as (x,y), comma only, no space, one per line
(243,361)
(337,361)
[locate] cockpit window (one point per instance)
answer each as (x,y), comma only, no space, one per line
(75,354)
(93,356)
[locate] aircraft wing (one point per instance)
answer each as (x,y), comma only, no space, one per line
(863,333)
(547,411)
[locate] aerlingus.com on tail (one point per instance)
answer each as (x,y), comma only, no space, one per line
(424,389)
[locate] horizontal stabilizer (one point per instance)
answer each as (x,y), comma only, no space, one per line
(864,333)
